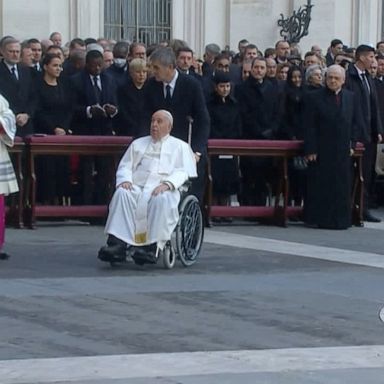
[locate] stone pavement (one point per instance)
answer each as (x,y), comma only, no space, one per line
(262,305)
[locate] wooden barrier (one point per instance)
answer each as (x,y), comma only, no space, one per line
(283,151)
(38,145)
(16,208)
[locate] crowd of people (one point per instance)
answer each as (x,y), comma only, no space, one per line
(330,99)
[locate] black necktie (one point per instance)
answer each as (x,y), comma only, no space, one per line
(367,95)
(168,96)
(365,83)
(96,89)
(37,68)
(14,74)
(338,99)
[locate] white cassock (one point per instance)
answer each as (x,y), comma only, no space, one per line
(137,217)
(8,182)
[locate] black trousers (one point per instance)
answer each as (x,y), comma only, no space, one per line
(369,159)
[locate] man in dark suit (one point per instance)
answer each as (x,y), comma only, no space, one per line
(37,51)
(95,107)
(119,69)
(184,61)
(335,48)
(181,95)
(361,84)
(16,85)
(332,120)
(259,107)
(96,98)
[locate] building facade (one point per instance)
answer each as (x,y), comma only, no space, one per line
(199,22)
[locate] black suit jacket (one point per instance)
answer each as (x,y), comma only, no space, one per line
(187,100)
(85,96)
(19,93)
(372,121)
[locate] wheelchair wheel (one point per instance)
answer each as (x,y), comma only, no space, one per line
(189,231)
(169,257)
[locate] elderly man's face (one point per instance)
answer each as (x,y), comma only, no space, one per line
(380,67)
(283,50)
(271,68)
(160,125)
(373,70)
(334,80)
(11,53)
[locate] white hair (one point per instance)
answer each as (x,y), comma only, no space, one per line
(168,115)
(336,68)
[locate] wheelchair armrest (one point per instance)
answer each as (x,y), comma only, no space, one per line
(185,187)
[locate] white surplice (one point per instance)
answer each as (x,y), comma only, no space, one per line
(8,181)
(137,217)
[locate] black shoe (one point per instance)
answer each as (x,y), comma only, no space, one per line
(145,254)
(370,218)
(4,256)
(113,253)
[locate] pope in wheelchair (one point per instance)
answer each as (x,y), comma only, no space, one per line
(144,210)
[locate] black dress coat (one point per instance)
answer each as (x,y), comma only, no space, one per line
(120,75)
(259,105)
(94,191)
(187,101)
(20,94)
(130,120)
(225,124)
(84,96)
(331,131)
(292,113)
(371,117)
(54,109)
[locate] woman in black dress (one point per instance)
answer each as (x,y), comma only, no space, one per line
(53,117)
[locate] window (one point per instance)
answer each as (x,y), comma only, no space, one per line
(146,21)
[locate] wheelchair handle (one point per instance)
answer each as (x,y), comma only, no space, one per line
(190,122)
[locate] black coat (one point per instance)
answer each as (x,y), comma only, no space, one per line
(54,107)
(130,120)
(292,113)
(225,124)
(20,94)
(380,98)
(120,75)
(187,101)
(259,105)
(330,133)
(84,97)
(372,122)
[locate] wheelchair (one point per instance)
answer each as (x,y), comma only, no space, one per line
(186,240)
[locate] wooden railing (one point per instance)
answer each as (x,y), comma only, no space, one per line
(113,146)
(281,151)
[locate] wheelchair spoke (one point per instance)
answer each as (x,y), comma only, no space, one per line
(190,231)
